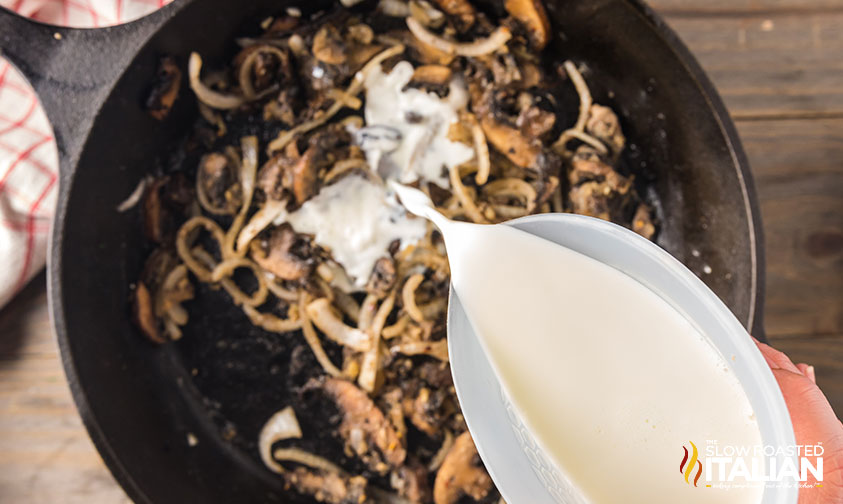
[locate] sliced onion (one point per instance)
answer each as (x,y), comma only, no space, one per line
(248,171)
(184,240)
(136,195)
(370,365)
(244,76)
(437,349)
(300,456)
(271,211)
(583,92)
(271,323)
(313,342)
(205,94)
(279,291)
(481,150)
(320,312)
(282,425)
(408,294)
(479,47)
(437,459)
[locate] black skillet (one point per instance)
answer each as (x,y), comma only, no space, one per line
(140,402)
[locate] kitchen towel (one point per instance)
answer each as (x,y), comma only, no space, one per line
(28,158)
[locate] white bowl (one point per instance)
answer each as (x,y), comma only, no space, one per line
(513,458)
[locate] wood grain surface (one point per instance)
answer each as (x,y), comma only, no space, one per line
(779,67)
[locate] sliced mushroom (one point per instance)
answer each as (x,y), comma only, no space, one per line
(426,13)
(425,410)
(410,481)
(432,78)
(531,14)
(505,70)
(165,201)
(460,11)
(259,66)
(591,198)
(536,116)
(217,186)
(328,487)
(603,123)
(301,177)
(366,431)
(361,33)
(461,474)
(328,46)
(144,314)
(161,288)
(383,277)
(300,173)
(284,253)
(511,143)
(271,177)
(642,222)
(360,54)
(165,89)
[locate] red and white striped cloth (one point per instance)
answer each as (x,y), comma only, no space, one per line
(28,158)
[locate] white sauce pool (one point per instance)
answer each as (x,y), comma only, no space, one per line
(357,220)
(423,120)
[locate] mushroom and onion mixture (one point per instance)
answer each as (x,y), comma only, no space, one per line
(455,98)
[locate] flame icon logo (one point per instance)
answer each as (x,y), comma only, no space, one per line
(687,466)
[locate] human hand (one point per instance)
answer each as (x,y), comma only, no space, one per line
(813,421)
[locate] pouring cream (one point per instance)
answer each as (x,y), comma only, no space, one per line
(611,380)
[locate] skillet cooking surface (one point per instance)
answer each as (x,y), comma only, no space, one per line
(225,377)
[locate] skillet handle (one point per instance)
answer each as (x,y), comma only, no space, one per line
(72,70)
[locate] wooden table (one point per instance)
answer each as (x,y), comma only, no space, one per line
(779,66)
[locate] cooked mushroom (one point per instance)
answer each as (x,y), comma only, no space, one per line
(461,474)
(328,487)
(365,429)
(259,66)
(300,178)
(144,314)
(410,481)
(426,13)
(300,173)
(603,123)
(588,167)
(642,222)
(284,253)
(591,198)
(328,46)
(217,186)
(432,78)
(383,277)
(164,204)
(511,143)
(460,11)
(165,89)
(424,411)
(162,287)
(531,14)
(536,116)
(272,174)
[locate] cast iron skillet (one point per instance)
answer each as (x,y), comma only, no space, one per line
(224,378)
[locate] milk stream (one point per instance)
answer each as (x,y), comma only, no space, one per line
(612,381)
